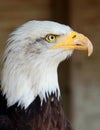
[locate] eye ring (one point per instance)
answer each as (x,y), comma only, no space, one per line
(51,38)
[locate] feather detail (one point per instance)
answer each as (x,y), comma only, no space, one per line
(49,116)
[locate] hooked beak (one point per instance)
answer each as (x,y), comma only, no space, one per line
(75,41)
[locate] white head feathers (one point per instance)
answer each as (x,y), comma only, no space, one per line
(29,65)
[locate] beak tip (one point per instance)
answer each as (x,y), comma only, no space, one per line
(90,51)
(89,54)
(87,43)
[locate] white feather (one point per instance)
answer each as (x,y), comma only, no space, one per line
(27,74)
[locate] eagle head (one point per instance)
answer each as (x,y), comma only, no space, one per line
(32,55)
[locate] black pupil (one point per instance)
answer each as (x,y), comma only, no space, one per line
(52,37)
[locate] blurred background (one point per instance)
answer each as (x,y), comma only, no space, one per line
(79,77)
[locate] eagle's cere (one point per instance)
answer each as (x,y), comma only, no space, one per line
(29,76)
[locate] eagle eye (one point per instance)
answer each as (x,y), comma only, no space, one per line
(51,38)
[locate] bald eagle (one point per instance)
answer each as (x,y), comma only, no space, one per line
(31,98)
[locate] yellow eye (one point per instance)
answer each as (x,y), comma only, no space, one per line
(51,38)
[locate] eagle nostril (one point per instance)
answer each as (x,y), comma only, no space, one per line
(74,36)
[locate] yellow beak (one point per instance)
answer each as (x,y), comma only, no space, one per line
(75,41)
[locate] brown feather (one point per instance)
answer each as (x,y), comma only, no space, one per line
(49,116)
